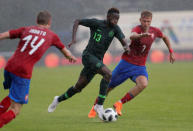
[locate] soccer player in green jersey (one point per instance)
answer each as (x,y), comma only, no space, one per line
(102,33)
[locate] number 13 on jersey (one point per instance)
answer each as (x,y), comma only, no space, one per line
(97,37)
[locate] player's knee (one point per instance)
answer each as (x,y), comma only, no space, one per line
(16,111)
(143,86)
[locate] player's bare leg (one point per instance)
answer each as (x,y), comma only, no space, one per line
(15,107)
(141,84)
(13,111)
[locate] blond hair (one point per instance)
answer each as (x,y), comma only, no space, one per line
(146,13)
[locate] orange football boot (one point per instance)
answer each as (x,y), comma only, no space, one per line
(92,113)
(118,107)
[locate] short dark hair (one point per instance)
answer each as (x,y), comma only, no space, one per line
(43,17)
(146,13)
(113,10)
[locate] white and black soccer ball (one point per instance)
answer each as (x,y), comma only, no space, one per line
(109,115)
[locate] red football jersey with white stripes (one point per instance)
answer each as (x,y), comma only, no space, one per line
(139,49)
(34,41)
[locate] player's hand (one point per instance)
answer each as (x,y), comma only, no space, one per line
(71,43)
(145,35)
(172,58)
(72,59)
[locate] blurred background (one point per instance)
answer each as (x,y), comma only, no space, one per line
(173,17)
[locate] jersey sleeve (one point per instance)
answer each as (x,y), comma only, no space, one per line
(57,42)
(159,33)
(16,33)
(119,34)
(88,22)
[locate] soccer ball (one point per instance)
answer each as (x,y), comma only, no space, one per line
(110,115)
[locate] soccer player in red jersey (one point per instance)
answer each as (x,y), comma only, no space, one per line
(132,64)
(34,41)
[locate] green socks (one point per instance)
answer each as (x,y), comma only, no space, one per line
(69,93)
(102,91)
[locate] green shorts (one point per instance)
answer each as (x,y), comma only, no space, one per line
(91,65)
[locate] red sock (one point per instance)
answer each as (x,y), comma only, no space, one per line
(127,98)
(96,101)
(4,105)
(6,117)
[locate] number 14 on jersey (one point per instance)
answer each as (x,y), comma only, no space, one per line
(33,44)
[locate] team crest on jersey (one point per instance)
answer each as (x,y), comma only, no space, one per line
(111,33)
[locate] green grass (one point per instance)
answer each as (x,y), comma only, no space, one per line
(165,105)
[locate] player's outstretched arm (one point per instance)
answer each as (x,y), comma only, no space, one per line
(135,36)
(167,42)
(4,35)
(74,30)
(68,55)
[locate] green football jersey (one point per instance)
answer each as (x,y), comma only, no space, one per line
(101,36)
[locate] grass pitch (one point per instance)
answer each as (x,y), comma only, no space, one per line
(165,105)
